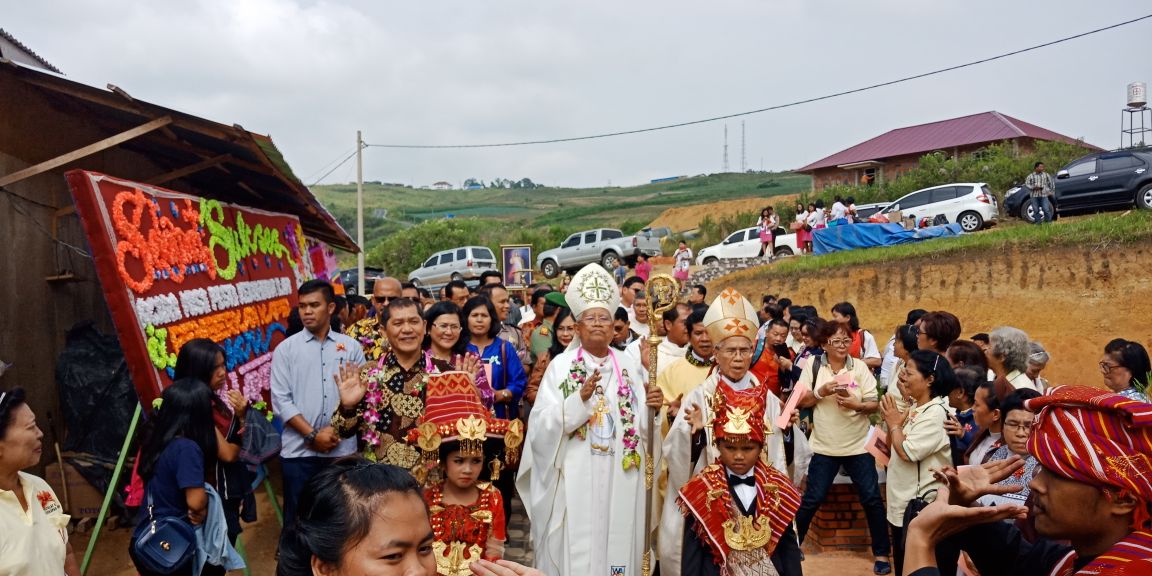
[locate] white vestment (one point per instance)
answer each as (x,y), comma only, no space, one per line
(677,449)
(666,354)
(587,512)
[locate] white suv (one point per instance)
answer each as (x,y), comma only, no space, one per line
(463,263)
(744,244)
(971,205)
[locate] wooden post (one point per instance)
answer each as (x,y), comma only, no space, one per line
(111,490)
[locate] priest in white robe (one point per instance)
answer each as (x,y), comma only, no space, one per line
(582,472)
(673,329)
(731,323)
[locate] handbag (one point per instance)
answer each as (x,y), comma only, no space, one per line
(163,546)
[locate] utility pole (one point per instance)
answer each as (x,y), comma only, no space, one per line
(360,213)
(743,156)
(725,170)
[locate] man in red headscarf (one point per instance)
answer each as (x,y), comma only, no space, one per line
(1089,505)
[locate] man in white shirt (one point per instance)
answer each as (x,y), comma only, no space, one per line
(839,209)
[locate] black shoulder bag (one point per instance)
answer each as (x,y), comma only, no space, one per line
(163,546)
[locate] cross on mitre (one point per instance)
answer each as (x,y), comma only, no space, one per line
(735,328)
(596,289)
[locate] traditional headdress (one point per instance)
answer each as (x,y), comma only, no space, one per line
(592,287)
(739,417)
(1094,436)
(731,315)
(453,412)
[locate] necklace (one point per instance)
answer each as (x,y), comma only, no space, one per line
(695,360)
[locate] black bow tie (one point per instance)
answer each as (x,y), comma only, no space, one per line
(736,480)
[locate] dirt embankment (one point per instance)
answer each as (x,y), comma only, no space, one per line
(1072,300)
(684,218)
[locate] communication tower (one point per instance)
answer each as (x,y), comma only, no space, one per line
(725,169)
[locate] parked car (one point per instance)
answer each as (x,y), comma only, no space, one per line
(971,205)
(865,211)
(604,245)
(463,263)
(1105,180)
(1017,203)
(371,274)
(744,244)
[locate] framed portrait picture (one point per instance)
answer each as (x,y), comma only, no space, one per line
(516,260)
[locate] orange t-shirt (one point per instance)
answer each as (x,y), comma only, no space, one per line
(767,371)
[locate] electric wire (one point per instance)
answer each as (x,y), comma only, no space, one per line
(774,107)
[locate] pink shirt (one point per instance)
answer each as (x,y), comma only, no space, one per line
(644,269)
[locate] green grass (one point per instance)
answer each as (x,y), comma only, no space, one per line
(591,207)
(1101,230)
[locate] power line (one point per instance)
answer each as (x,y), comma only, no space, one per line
(334,168)
(775,107)
(325,167)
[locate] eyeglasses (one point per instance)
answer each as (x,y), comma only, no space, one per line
(840,343)
(384,299)
(1106,367)
(1025,427)
(736,352)
(447,327)
(597,321)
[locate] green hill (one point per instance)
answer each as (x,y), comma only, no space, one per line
(629,208)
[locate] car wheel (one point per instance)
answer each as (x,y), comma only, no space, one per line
(609,261)
(711,261)
(783,251)
(456,276)
(1028,212)
(550,269)
(970,221)
(1144,197)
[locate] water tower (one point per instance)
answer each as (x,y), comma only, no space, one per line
(1136,118)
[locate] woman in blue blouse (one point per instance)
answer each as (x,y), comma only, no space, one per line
(507,377)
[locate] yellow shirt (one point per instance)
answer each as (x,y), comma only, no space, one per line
(926,443)
(677,380)
(839,431)
(32,542)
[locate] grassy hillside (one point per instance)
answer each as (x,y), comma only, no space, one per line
(576,207)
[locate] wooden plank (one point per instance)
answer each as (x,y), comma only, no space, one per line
(182,172)
(85,151)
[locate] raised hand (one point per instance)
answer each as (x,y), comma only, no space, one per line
(502,568)
(352,389)
(645,354)
(890,413)
(655,396)
(694,415)
(968,483)
(589,385)
(952,427)
(471,364)
(942,519)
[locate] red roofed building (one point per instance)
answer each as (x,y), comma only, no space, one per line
(887,156)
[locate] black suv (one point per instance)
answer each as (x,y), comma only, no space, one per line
(1105,180)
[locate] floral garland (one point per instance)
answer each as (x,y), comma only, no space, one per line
(577,375)
(376,400)
(631,437)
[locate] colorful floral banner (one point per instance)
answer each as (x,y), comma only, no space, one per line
(176,267)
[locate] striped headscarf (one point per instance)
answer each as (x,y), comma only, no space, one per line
(1096,437)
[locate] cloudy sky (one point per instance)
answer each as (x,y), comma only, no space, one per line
(310,73)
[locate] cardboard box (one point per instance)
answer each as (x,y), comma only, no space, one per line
(83,500)
(896,217)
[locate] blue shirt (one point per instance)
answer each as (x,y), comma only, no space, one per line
(507,373)
(179,467)
(304,384)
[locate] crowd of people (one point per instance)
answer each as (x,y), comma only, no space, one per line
(698,439)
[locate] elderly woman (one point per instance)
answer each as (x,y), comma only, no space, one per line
(843,395)
(1125,366)
(33,525)
(561,337)
(1008,359)
(917,437)
(1037,360)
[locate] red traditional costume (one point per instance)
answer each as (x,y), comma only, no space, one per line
(739,539)
(453,413)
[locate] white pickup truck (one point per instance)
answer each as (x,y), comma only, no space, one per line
(604,245)
(745,244)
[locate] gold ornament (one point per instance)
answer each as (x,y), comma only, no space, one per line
(456,562)
(747,533)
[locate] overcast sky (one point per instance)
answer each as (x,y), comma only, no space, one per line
(310,73)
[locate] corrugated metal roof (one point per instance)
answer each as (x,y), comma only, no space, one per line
(985,127)
(4,34)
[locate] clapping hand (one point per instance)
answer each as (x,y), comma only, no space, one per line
(968,483)
(352,389)
(891,414)
(471,364)
(238,403)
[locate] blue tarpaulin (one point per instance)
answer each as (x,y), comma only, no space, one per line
(853,236)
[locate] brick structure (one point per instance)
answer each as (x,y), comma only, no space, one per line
(839,524)
(891,154)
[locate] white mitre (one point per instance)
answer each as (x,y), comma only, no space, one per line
(592,287)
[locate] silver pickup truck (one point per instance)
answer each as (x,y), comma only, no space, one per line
(604,245)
